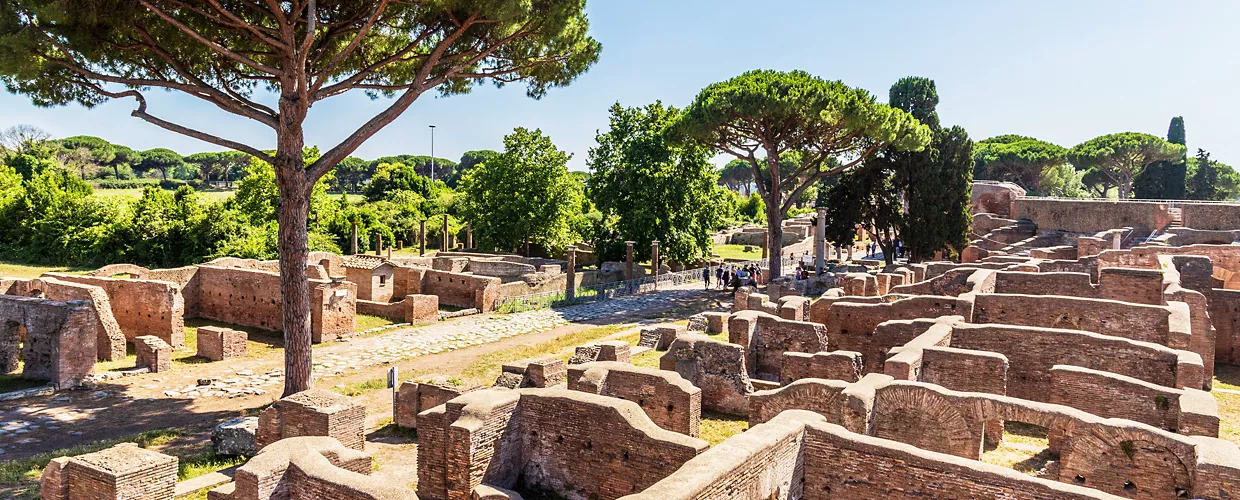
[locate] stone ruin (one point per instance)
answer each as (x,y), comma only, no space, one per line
(896,381)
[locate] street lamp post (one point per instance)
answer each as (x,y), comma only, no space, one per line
(432,153)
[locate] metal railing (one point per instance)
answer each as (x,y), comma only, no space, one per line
(608,291)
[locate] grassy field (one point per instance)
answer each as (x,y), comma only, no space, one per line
(1227,393)
(1024,448)
(135,193)
(14,270)
(259,343)
(736,252)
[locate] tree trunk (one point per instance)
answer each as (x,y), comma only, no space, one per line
(293,215)
(774,216)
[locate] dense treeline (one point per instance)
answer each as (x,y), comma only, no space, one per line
(1123,165)
(56,217)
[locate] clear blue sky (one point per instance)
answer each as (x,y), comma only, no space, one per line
(1063,71)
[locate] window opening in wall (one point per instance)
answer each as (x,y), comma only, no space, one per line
(1023,447)
(382,280)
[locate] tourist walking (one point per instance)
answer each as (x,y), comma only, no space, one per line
(706,276)
(719,277)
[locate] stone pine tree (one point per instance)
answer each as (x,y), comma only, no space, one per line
(1121,157)
(1165,180)
(1018,159)
(781,112)
(270,61)
(935,181)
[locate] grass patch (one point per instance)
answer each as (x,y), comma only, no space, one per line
(1227,378)
(15,270)
(365,322)
(487,368)
(22,476)
(259,343)
(736,252)
(717,427)
(359,388)
(387,427)
(201,465)
(135,193)
(1024,448)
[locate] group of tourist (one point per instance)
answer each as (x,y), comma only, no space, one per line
(733,276)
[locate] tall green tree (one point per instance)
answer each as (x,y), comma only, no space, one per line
(1121,157)
(469,160)
(865,198)
(299,52)
(1021,160)
(737,175)
(654,187)
(1165,180)
(523,196)
(936,181)
(163,160)
(781,112)
(1211,180)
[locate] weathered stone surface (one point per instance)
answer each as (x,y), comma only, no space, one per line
(718,368)
(153,353)
(217,343)
(235,437)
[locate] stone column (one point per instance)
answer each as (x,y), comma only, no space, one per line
(820,241)
(378,244)
(353,248)
(654,262)
(628,259)
(422,239)
(570,271)
(469,236)
(444,243)
(850,250)
(764,245)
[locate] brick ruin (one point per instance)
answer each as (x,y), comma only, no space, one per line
(1093,327)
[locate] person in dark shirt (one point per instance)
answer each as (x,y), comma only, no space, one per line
(706,276)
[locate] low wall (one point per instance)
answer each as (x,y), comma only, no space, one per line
(252,297)
(853,326)
(1134,321)
(1214,216)
(668,399)
(564,443)
(59,344)
(461,290)
(141,307)
(1107,395)
(1090,216)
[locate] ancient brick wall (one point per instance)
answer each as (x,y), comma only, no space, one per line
(1225,317)
(251,297)
(1032,351)
(110,340)
(718,368)
(1138,286)
(833,365)
(965,370)
(413,398)
(462,290)
(1090,216)
(60,338)
(123,471)
(314,412)
(1109,395)
(819,309)
(994,198)
(1045,283)
(668,399)
(565,443)
(1225,258)
(849,465)
(853,326)
(774,336)
(821,396)
(1134,321)
(1209,215)
(311,467)
(142,307)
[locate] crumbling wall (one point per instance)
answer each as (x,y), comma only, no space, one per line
(462,290)
(836,365)
(1109,395)
(1134,321)
(60,338)
(854,326)
(718,368)
(110,340)
(570,444)
(668,399)
(1033,351)
(252,297)
(1215,216)
(141,307)
(1045,283)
